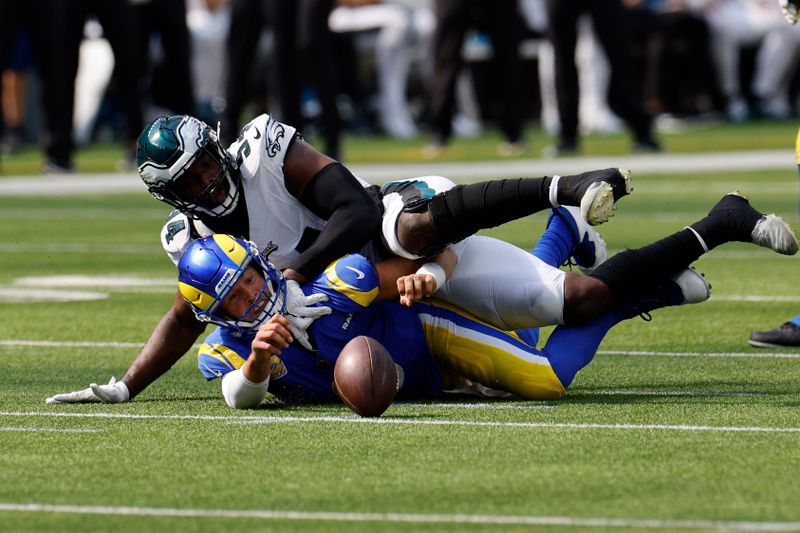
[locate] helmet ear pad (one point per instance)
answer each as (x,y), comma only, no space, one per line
(211,266)
(168,146)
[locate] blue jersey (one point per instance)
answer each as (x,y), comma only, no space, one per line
(351,284)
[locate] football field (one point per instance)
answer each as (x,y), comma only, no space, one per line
(678,424)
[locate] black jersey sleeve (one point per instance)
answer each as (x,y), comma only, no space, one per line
(353,218)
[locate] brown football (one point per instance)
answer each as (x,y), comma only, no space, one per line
(365,376)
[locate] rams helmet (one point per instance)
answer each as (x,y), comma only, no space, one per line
(211,266)
(170,145)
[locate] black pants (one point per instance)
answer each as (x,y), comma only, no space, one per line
(625,84)
(171,84)
(248,20)
(501,20)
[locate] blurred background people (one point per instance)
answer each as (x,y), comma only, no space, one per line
(209,23)
(502,24)
(738,24)
(625,88)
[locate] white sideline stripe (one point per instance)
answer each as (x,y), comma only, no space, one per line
(778,355)
(96,281)
(62,344)
(482,403)
(89,344)
(245,419)
(629,392)
(754,298)
(53,430)
(15,247)
(417,518)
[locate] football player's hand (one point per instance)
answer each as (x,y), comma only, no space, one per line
(114,392)
(272,337)
(302,311)
(415,287)
(791,10)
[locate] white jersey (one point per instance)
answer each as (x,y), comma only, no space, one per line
(278,220)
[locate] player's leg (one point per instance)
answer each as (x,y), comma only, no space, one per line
(571,348)
(424,227)
(486,355)
(731,219)
(505,286)
(569,239)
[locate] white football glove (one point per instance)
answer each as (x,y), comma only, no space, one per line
(299,312)
(114,392)
(791,10)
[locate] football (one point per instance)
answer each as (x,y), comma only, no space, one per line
(365,377)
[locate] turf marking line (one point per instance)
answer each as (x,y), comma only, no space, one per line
(100,344)
(778,355)
(413,518)
(352,419)
(62,344)
(53,430)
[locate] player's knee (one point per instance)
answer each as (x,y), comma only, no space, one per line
(585,298)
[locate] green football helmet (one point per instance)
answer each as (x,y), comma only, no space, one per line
(169,146)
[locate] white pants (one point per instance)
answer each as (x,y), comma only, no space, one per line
(504,286)
(497,282)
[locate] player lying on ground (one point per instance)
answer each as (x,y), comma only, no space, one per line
(438,346)
(545,287)
(427,338)
(304,210)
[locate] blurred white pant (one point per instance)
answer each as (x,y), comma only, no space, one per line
(738,23)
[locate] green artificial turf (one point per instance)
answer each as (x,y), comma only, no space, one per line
(677,424)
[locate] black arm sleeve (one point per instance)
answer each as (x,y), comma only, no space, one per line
(354,218)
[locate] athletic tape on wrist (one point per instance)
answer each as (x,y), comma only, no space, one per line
(436,270)
(553,193)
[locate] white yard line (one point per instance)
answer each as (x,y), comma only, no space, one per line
(352,419)
(407,518)
(71,344)
(50,430)
(776,355)
(111,344)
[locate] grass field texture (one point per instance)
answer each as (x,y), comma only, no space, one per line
(677,425)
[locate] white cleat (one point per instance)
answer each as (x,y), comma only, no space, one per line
(773,233)
(597,203)
(693,285)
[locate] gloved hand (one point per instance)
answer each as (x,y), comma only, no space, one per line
(791,10)
(114,392)
(300,313)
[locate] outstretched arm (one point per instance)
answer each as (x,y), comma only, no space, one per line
(414,280)
(171,338)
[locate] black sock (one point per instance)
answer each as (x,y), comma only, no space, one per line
(631,271)
(728,221)
(572,188)
(465,209)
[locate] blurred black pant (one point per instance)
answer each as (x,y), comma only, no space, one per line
(625,96)
(501,21)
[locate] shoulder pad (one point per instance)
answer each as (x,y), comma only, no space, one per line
(354,277)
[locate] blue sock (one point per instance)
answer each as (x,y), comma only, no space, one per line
(556,243)
(796,321)
(554,248)
(569,348)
